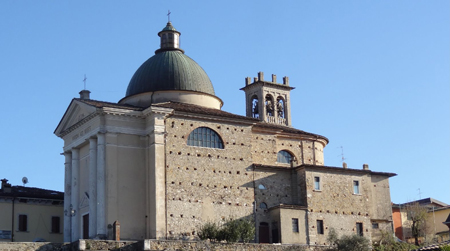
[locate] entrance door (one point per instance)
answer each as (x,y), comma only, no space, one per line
(86,226)
(264,235)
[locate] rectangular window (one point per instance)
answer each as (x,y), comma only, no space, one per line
(319,226)
(375,225)
(316,183)
(359,229)
(355,187)
(23,222)
(295,225)
(55,224)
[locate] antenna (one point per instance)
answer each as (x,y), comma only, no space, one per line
(342,154)
(24,180)
(168,15)
(420,194)
(84,80)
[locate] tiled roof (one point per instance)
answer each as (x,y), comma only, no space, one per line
(328,168)
(189,108)
(288,129)
(32,192)
(100,104)
(202,110)
(219,113)
(426,201)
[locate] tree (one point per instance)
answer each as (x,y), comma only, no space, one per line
(389,243)
(417,214)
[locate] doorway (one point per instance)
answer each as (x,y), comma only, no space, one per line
(264,234)
(86,226)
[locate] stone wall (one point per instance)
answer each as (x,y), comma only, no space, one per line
(211,184)
(205,245)
(151,245)
(206,184)
(31,246)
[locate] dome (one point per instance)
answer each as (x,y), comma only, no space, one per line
(170,75)
(169,70)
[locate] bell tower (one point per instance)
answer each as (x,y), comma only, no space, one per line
(268,101)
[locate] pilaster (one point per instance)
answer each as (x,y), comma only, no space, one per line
(101,212)
(156,173)
(92,187)
(67,194)
(75,194)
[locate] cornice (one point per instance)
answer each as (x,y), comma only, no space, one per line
(289,135)
(122,112)
(102,111)
(79,123)
(157,110)
(214,118)
(267,83)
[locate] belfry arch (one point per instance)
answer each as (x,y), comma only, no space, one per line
(268,101)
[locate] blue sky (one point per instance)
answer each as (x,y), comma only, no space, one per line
(372,76)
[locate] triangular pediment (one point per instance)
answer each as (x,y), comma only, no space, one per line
(76,112)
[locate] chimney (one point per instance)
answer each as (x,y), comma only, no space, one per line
(365,166)
(286,81)
(274,78)
(84,94)
(344,165)
(261,76)
(4,182)
(255,80)
(6,187)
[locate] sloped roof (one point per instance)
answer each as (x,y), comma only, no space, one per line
(425,202)
(219,113)
(195,109)
(101,104)
(328,168)
(32,192)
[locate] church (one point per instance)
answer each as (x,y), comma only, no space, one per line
(166,159)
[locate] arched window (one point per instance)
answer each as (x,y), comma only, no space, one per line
(261,187)
(269,105)
(255,107)
(263,205)
(284,157)
(280,107)
(205,137)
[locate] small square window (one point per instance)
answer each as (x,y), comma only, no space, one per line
(319,226)
(355,187)
(375,225)
(317,183)
(295,225)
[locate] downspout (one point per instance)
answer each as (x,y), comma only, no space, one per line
(12,220)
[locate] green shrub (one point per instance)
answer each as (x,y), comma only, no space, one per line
(208,231)
(445,248)
(231,231)
(389,243)
(347,243)
(353,243)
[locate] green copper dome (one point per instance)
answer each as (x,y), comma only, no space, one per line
(169,69)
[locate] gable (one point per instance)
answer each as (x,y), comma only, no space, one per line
(75,112)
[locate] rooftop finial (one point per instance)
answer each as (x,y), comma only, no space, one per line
(168,16)
(84,80)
